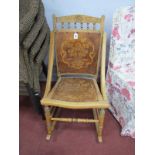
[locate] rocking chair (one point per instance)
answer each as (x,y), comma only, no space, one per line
(80,50)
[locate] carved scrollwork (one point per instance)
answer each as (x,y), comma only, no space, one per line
(77,54)
(75,89)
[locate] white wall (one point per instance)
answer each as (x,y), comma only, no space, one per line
(87,7)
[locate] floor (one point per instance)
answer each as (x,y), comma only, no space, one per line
(70,138)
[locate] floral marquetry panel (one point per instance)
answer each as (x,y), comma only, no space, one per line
(77,54)
(76,89)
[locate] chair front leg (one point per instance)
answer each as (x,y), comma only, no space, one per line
(101,114)
(48,122)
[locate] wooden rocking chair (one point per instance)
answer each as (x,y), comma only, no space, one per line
(80,50)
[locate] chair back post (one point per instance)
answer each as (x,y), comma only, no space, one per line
(50,65)
(54,23)
(102,24)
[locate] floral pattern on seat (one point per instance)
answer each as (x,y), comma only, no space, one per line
(120,80)
(76,90)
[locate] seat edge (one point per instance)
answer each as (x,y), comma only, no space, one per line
(75,105)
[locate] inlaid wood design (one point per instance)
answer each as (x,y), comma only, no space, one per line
(78,55)
(75,89)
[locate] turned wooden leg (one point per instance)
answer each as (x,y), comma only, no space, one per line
(96,117)
(48,122)
(101,114)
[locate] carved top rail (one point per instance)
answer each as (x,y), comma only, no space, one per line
(78,18)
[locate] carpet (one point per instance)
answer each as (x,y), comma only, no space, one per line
(69,138)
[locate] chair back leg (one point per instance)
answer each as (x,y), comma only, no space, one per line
(48,122)
(101,113)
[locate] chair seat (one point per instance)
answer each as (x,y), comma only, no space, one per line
(75,93)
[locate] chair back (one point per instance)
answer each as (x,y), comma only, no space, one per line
(78,44)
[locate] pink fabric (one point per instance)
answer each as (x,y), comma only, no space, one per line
(121,68)
(115,32)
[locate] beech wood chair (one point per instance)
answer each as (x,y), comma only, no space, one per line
(80,49)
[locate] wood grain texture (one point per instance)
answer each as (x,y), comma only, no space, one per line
(50,65)
(77,92)
(75,89)
(75,105)
(103,63)
(78,18)
(76,120)
(78,56)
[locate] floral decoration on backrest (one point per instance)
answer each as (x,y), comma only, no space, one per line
(77,55)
